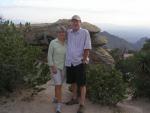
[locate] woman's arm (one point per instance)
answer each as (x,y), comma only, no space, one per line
(50,58)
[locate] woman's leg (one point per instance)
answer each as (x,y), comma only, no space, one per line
(58,93)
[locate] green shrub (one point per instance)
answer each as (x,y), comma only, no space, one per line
(42,76)
(105,85)
(17,59)
(141,82)
(8,77)
(142,79)
(127,67)
(136,70)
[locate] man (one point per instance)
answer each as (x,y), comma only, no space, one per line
(78,47)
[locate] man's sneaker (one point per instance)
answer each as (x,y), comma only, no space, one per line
(81,109)
(72,102)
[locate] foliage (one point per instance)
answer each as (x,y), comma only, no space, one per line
(127,67)
(42,76)
(141,81)
(146,46)
(17,58)
(116,54)
(136,71)
(105,85)
(8,77)
(27,27)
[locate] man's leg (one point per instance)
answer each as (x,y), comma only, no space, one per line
(82,85)
(71,80)
(74,99)
(81,108)
(82,95)
(74,90)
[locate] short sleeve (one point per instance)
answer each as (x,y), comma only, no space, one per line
(87,44)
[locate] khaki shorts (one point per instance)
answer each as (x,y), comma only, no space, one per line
(59,77)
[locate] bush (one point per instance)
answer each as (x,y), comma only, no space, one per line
(127,67)
(17,59)
(8,77)
(42,76)
(136,71)
(141,82)
(105,85)
(142,78)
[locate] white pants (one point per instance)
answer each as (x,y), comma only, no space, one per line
(59,77)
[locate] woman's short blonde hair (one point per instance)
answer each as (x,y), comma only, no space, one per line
(61,29)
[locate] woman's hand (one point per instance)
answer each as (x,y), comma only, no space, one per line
(54,69)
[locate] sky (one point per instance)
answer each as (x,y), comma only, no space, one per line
(117,12)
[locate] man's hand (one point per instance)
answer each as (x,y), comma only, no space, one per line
(54,69)
(85,61)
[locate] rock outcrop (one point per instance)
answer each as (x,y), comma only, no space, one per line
(42,34)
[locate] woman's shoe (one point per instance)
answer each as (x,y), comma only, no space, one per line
(58,108)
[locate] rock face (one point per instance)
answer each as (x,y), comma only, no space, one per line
(42,34)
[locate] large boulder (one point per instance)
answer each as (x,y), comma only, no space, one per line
(42,34)
(67,23)
(100,55)
(99,41)
(90,27)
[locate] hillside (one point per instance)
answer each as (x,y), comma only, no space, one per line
(117,42)
(139,44)
(129,33)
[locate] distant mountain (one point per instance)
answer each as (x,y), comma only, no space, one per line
(117,42)
(129,33)
(139,44)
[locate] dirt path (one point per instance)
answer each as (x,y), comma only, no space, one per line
(41,103)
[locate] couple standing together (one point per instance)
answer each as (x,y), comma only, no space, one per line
(70,50)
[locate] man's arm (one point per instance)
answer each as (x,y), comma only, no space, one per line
(86,56)
(87,48)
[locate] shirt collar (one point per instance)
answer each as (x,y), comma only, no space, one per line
(57,40)
(76,31)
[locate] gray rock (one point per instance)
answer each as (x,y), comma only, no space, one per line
(42,34)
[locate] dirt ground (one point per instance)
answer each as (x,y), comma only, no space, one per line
(33,102)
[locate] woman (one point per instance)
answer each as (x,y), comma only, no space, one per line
(56,60)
